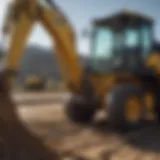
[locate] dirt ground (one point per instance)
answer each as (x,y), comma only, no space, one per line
(43,114)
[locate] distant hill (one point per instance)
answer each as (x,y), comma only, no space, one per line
(40,61)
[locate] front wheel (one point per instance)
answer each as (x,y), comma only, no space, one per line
(80,110)
(126,107)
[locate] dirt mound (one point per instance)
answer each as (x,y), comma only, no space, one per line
(18,144)
(16,141)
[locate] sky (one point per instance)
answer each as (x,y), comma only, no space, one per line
(81,14)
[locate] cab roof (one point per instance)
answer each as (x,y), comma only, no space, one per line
(124,18)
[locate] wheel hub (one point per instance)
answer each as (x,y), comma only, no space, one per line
(133,109)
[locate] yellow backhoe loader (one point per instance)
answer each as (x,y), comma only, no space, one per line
(122,75)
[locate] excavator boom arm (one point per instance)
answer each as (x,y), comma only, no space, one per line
(25,14)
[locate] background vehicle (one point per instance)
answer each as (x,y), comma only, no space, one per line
(123,73)
(34,83)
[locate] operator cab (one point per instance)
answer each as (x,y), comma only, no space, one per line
(121,42)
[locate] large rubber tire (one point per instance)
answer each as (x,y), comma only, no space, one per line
(78,110)
(116,106)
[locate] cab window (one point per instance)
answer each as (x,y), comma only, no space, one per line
(146,40)
(132,38)
(103,43)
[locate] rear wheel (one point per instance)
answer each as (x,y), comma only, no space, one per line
(125,107)
(80,110)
